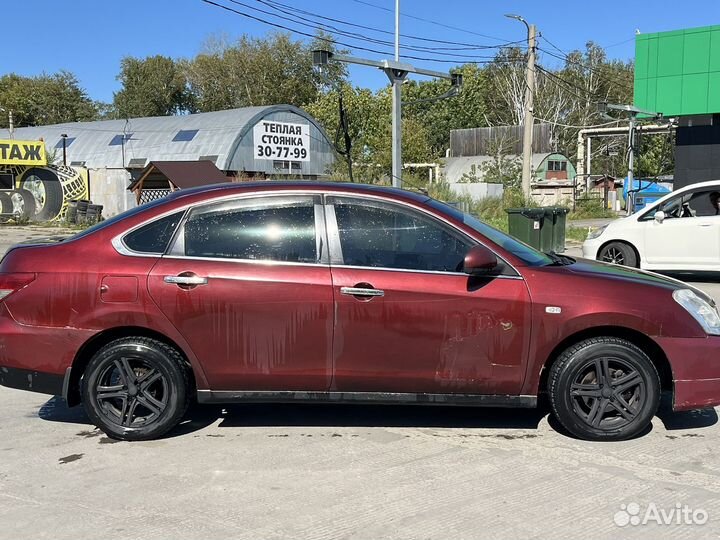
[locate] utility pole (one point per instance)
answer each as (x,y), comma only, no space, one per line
(11,126)
(528,119)
(396,79)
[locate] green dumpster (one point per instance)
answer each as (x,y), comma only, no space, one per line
(559,218)
(531,225)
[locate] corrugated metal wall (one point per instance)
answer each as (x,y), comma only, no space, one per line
(480,141)
(322,155)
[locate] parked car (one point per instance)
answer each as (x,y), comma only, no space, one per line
(277,292)
(679,232)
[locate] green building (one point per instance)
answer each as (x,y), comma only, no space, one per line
(677,74)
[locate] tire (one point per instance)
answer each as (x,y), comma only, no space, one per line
(618,253)
(47,191)
(23,203)
(6,204)
(602,412)
(147,407)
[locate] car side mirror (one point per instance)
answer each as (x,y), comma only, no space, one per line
(479,260)
(659,216)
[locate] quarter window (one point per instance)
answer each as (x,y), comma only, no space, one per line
(270,229)
(382,235)
(153,237)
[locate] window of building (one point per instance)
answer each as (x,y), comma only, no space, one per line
(556,165)
(185,135)
(118,139)
(68,142)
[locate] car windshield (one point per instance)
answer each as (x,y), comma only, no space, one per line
(522,251)
(111,221)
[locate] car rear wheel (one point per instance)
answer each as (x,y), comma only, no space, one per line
(604,389)
(618,253)
(136,388)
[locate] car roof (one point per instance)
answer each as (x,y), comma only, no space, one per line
(276,185)
(700,185)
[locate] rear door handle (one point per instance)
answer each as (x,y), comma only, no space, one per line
(186,280)
(361,291)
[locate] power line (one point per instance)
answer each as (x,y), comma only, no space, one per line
(569,87)
(462,45)
(331,41)
(566,57)
(578,127)
(304,21)
(430,21)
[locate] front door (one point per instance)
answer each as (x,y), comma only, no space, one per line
(407,318)
(248,286)
(689,236)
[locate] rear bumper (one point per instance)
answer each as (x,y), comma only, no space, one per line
(36,358)
(695,364)
(34,381)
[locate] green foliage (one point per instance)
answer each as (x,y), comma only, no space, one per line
(44,99)
(576,234)
(591,209)
(154,86)
(257,71)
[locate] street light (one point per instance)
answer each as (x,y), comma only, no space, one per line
(528,119)
(518,18)
(397,72)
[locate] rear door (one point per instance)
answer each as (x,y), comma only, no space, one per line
(247,283)
(407,318)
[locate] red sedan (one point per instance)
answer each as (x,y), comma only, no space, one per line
(342,293)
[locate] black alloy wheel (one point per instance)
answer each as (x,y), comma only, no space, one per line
(136,388)
(604,388)
(618,253)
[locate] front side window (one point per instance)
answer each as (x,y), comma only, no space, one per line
(264,229)
(381,235)
(153,237)
(701,203)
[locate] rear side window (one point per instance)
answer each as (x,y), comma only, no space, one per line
(268,229)
(153,237)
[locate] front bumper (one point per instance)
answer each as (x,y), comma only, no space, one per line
(590,248)
(695,364)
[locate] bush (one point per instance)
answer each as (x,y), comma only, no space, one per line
(591,208)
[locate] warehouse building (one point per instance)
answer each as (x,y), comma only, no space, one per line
(272,142)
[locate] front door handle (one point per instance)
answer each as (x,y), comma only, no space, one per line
(361,291)
(186,279)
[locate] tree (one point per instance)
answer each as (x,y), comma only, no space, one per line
(154,86)
(257,71)
(44,99)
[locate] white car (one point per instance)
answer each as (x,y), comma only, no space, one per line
(680,232)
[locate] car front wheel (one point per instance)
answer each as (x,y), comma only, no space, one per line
(604,389)
(136,388)
(618,253)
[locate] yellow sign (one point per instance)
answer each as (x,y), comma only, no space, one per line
(22,153)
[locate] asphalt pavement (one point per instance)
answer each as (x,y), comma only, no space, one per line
(355,472)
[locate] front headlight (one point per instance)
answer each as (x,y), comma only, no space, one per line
(596,232)
(701,310)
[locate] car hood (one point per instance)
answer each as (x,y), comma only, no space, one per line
(633,275)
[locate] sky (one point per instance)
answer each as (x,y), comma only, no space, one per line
(89,37)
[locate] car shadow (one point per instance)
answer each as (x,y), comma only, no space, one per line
(694,277)
(199,417)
